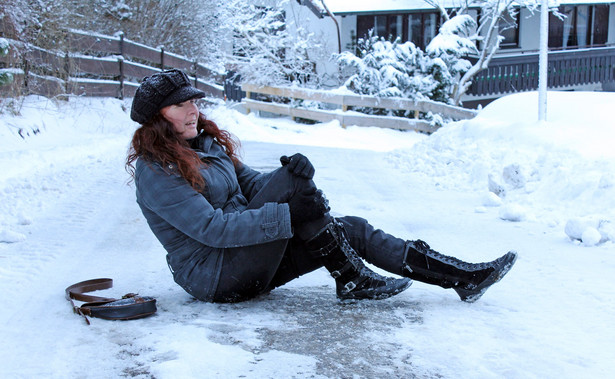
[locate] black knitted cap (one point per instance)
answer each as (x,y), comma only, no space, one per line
(159,90)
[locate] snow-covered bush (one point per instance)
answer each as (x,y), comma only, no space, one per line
(393,69)
(452,45)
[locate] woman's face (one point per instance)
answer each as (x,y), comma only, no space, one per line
(184,117)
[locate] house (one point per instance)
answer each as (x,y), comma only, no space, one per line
(581,47)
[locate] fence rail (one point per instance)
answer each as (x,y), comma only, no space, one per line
(346,100)
(98,65)
(511,74)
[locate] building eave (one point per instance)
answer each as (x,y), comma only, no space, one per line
(357,7)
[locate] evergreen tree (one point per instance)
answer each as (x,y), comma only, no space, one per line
(393,69)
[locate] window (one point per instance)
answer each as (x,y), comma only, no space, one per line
(600,27)
(420,28)
(584,25)
(508,27)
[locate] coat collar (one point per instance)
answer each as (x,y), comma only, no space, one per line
(202,142)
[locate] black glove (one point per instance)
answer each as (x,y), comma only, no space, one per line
(308,205)
(298,165)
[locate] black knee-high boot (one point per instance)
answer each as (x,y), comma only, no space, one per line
(469,280)
(353,279)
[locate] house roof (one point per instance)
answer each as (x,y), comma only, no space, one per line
(371,6)
(391,6)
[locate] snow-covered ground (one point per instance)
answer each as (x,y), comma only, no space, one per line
(474,189)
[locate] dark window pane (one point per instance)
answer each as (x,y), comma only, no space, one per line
(570,37)
(430,29)
(380,29)
(601,24)
(556,32)
(395,26)
(582,25)
(508,27)
(415,29)
(364,24)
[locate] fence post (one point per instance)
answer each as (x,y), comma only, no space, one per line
(26,71)
(344,109)
(248,96)
(120,61)
(194,71)
(67,73)
(121,34)
(161,57)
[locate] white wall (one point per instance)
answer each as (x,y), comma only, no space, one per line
(349,26)
(325,34)
(529,32)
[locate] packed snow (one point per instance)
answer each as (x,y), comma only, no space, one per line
(474,189)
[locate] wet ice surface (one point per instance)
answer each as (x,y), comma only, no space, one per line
(346,338)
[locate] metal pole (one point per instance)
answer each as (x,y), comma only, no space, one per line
(337,26)
(543,61)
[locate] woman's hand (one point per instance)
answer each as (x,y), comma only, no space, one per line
(309,205)
(298,165)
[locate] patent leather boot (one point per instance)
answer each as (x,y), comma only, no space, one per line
(353,279)
(469,280)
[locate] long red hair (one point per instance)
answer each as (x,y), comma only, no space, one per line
(157,141)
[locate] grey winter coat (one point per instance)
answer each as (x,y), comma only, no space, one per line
(198,229)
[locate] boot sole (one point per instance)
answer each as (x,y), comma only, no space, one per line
(377,293)
(470,296)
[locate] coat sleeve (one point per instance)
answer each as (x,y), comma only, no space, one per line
(171,197)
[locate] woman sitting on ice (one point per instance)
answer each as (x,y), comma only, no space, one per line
(232,233)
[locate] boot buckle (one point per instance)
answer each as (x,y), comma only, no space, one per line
(341,271)
(350,286)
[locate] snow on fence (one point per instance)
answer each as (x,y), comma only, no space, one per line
(346,100)
(97,65)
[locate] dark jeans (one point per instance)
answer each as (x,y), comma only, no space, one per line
(252,270)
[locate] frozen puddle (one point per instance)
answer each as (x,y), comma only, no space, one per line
(356,338)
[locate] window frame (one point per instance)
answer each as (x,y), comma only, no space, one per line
(516,43)
(557,27)
(364,21)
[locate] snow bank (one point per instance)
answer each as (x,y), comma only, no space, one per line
(552,172)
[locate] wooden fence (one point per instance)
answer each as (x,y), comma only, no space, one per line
(346,100)
(509,74)
(97,65)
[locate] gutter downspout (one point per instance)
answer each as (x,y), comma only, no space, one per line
(337,26)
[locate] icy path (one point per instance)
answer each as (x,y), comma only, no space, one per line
(536,323)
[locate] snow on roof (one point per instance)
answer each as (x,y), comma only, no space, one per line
(584,2)
(391,6)
(358,6)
